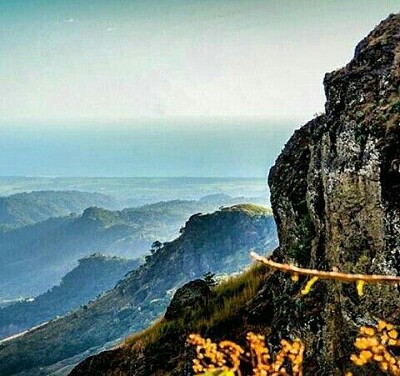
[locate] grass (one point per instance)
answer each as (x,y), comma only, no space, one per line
(228,298)
(250,209)
(149,335)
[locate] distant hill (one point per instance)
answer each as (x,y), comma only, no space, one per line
(133,192)
(31,207)
(217,242)
(93,275)
(36,257)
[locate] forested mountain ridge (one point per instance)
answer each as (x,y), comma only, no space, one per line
(218,242)
(27,208)
(36,257)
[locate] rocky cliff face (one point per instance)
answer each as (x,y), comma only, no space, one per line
(335,195)
(190,296)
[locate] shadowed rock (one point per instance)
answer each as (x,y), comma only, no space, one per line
(192,295)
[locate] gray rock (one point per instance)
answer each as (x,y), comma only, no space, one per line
(190,296)
(335,196)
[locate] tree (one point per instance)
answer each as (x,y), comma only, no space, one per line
(156,246)
(209,278)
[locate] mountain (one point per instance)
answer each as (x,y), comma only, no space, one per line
(35,257)
(93,275)
(225,311)
(27,208)
(335,197)
(134,192)
(217,242)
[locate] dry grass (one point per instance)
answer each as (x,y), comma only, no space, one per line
(228,297)
(231,295)
(250,209)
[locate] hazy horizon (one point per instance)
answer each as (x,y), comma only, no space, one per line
(166,88)
(138,191)
(152,149)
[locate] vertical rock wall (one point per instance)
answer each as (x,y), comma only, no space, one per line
(336,198)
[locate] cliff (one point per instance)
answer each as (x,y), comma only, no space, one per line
(35,257)
(335,198)
(334,192)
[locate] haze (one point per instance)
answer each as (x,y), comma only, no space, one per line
(99,64)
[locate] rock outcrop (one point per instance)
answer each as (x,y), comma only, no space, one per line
(335,195)
(190,296)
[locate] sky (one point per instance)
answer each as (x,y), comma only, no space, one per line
(73,66)
(195,148)
(121,59)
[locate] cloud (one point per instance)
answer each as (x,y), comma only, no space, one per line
(109,29)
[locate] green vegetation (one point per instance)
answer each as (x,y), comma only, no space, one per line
(28,208)
(162,345)
(396,107)
(336,203)
(209,279)
(227,300)
(250,209)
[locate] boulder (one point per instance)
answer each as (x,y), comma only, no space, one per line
(190,296)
